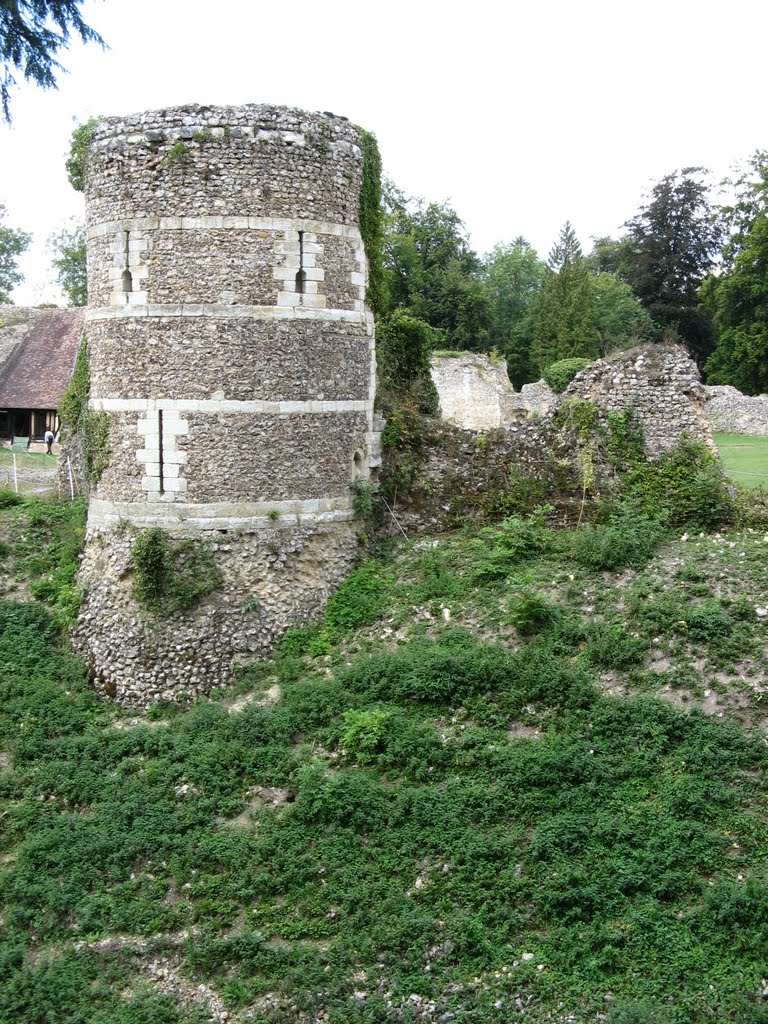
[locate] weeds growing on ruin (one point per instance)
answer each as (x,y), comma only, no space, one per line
(171,576)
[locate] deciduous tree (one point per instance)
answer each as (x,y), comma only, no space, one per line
(431,271)
(69,260)
(737,298)
(513,276)
(13,242)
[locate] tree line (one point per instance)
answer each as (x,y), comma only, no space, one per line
(685,268)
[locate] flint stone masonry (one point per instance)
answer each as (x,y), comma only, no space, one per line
(731,412)
(274,577)
(475,392)
(231,349)
(288,457)
(660,384)
(242,360)
(478,475)
(226,161)
(536,399)
(252,261)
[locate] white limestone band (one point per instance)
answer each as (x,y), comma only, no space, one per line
(257,515)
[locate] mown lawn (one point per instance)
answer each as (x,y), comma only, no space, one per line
(27,460)
(745,458)
(499,782)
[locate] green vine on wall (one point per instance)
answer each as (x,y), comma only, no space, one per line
(85,432)
(170,577)
(581,418)
(80,143)
(372,217)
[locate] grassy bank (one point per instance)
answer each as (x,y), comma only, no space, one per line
(499,782)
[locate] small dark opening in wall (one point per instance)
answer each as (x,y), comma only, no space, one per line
(160,449)
(358,464)
(127,281)
(301,277)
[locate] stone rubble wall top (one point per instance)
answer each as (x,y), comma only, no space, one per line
(256,160)
(660,383)
(731,412)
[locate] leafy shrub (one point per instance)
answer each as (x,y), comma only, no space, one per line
(362,497)
(497,549)
(361,599)
(630,538)
(750,507)
(613,648)
(706,623)
(48,554)
(9,498)
(403,347)
(530,614)
(435,579)
(391,740)
(685,485)
(363,732)
(641,1012)
(457,667)
(523,493)
(560,374)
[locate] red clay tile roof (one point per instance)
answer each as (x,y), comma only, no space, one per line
(37,372)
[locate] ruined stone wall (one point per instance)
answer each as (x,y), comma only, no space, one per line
(476,476)
(658,383)
(475,392)
(231,348)
(733,413)
(15,321)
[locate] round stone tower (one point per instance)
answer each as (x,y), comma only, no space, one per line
(232,351)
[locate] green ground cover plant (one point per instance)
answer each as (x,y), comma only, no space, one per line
(487,787)
(43,541)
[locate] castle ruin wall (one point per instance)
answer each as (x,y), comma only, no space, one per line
(232,351)
(731,412)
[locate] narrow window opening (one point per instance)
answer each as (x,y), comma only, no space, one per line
(160,448)
(358,470)
(301,277)
(127,278)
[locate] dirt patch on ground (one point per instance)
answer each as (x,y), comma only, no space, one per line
(260,699)
(37,482)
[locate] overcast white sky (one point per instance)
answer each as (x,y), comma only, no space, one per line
(521,114)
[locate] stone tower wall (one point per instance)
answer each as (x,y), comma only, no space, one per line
(231,347)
